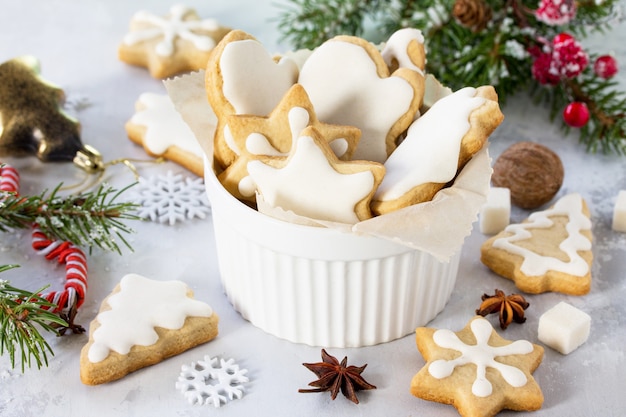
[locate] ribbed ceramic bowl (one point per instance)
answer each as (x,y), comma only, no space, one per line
(319,286)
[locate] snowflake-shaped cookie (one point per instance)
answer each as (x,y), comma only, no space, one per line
(171,44)
(476,370)
(171,198)
(206,382)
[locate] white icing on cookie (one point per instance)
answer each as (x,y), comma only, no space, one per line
(309,186)
(430,151)
(339,146)
(141,305)
(165,127)
(482,355)
(343,84)
(535,264)
(230,140)
(258,144)
(246,186)
(252,82)
(172,27)
(397,48)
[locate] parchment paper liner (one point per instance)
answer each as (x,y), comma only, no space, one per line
(437,227)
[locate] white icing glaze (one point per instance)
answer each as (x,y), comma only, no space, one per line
(430,151)
(482,355)
(535,264)
(165,126)
(339,146)
(258,144)
(230,140)
(397,46)
(253,82)
(246,187)
(172,27)
(298,119)
(141,305)
(309,186)
(344,87)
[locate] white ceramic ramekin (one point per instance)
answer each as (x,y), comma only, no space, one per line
(319,286)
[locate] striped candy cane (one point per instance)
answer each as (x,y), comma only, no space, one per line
(75,287)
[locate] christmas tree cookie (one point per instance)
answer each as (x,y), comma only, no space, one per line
(143,322)
(550,251)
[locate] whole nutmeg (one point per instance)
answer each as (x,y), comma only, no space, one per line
(532,172)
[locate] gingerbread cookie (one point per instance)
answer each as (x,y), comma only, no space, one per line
(437,146)
(162,132)
(313,182)
(405,49)
(170,45)
(256,137)
(243,78)
(349,83)
(142,323)
(477,371)
(550,251)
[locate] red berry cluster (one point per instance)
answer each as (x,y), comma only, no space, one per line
(562,58)
(556,12)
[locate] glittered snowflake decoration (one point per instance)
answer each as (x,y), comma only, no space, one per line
(171,198)
(207,382)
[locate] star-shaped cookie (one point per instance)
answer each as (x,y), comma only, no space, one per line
(550,251)
(256,137)
(477,371)
(313,182)
(172,44)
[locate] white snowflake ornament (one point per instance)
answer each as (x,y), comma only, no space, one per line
(206,382)
(171,198)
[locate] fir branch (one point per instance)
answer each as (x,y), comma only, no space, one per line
(308,23)
(21,314)
(93,219)
(607,126)
(497,55)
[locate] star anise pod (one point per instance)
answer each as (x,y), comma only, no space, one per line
(334,377)
(510,307)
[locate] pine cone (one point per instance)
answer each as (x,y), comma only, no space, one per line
(472,14)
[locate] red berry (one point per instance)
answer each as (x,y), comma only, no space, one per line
(605,66)
(561,37)
(576,114)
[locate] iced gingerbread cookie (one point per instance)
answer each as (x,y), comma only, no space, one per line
(349,83)
(405,49)
(243,78)
(162,132)
(256,137)
(172,44)
(313,182)
(550,251)
(477,371)
(143,322)
(437,145)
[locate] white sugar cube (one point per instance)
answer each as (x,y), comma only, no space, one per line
(564,327)
(619,212)
(495,214)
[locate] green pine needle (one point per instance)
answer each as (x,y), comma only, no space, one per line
(22,314)
(93,219)
(458,56)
